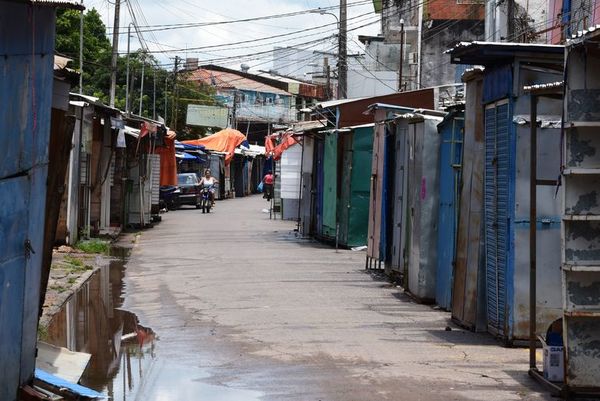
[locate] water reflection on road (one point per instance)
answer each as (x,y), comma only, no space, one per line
(124,364)
(91,321)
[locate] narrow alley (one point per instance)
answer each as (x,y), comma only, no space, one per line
(244,310)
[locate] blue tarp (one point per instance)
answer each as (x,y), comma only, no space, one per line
(184,146)
(71,387)
(185,156)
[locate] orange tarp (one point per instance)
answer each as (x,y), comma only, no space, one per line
(223,141)
(287,141)
(168,163)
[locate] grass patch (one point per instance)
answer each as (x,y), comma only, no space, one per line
(75,264)
(58,288)
(93,246)
(74,261)
(42,332)
(71,280)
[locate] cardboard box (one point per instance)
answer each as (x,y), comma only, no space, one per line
(554,363)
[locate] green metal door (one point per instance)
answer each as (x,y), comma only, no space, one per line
(344,202)
(330,185)
(360,186)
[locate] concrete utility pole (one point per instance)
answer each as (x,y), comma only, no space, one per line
(142,85)
(81,51)
(343,52)
(175,94)
(400,67)
(115,54)
(327,77)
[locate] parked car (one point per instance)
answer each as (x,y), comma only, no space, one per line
(191,189)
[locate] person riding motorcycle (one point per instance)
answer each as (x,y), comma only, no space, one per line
(208,181)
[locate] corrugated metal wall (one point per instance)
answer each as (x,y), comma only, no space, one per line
(497,180)
(26,81)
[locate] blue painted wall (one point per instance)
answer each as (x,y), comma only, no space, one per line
(26,80)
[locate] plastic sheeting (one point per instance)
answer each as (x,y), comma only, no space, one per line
(223,141)
(168,162)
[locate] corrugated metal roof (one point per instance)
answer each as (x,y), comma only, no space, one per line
(486,53)
(543,87)
(229,80)
(72,4)
(333,103)
(309,125)
(589,33)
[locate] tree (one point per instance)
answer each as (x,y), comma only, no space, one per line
(97,53)
(97,49)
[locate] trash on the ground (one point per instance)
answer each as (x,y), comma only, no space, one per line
(265,210)
(129,336)
(359,248)
(60,385)
(554,362)
(61,362)
(65,249)
(448,328)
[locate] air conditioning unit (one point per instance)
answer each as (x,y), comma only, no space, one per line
(413,58)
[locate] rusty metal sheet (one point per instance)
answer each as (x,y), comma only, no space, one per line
(468,294)
(582,242)
(583,352)
(423,204)
(583,105)
(375,204)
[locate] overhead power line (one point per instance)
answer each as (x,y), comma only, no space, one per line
(164,27)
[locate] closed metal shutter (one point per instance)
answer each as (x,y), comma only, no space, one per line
(497,165)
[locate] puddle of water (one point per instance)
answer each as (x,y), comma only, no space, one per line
(124,363)
(169,382)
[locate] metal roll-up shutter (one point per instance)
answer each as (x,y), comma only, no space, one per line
(497,165)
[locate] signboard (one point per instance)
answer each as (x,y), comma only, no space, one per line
(207,116)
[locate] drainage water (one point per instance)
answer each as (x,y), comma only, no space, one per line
(124,363)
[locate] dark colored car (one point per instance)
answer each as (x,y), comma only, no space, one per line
(191,189)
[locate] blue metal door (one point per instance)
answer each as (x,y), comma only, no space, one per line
(496,204)
(13,229)
(450,170)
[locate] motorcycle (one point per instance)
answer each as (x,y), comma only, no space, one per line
(205,199)
(169,197)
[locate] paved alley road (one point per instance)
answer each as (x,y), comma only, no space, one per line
(245,311)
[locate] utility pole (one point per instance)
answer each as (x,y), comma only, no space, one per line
(142,84)
(154,94)
(115,54)
(343,52)
(127,75)
(175,95)
(81,51)
(234,110)
(327,77)
(166,96)
(401,66)
(510,31)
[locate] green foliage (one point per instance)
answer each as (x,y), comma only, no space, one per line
(76,262)
(93,246)
(97,54)
(97,48)
(42,332)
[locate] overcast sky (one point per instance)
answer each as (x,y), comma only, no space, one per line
(262,34)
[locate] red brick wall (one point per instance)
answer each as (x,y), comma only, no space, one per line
(451,10)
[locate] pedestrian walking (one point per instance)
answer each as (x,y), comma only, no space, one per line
(268,185)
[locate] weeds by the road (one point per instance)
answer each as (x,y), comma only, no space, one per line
(93,246)
(76,264)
